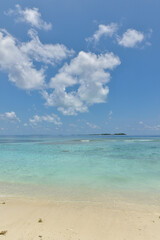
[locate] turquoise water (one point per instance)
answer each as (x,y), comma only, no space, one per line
(96,165)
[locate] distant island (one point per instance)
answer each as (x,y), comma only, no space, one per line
(121,134)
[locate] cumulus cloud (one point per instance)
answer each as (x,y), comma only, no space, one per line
(53,118)
(47,53)
(130,38)
(104,30)
(16,59)
(10,116)
(81,83)
(31,16)
(18,65)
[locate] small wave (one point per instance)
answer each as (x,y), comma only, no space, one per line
(145,140)
(85,140)
(139,140)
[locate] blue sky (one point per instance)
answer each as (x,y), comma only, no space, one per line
(71,67)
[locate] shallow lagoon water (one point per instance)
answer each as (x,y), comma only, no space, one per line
(80,165)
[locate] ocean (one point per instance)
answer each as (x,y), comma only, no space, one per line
(85,167)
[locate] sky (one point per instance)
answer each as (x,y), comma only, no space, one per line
(77,67)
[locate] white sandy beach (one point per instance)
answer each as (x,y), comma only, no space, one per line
(31,219)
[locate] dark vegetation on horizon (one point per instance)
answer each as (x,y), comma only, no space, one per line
(101,134)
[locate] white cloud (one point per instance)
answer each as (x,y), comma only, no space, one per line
(110,115)
(81,83)
(154,127)
(53,118)
(150,127)
(130,38)
(18,65)
(17,59)
(10,116)
(104,30)
(31,16)
(46,53)
(157,127)
(91,125)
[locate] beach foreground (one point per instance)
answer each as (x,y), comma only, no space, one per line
(26,219)
(79,188)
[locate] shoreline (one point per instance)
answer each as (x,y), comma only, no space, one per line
(63,194)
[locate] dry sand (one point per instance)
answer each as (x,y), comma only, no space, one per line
(30,219)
